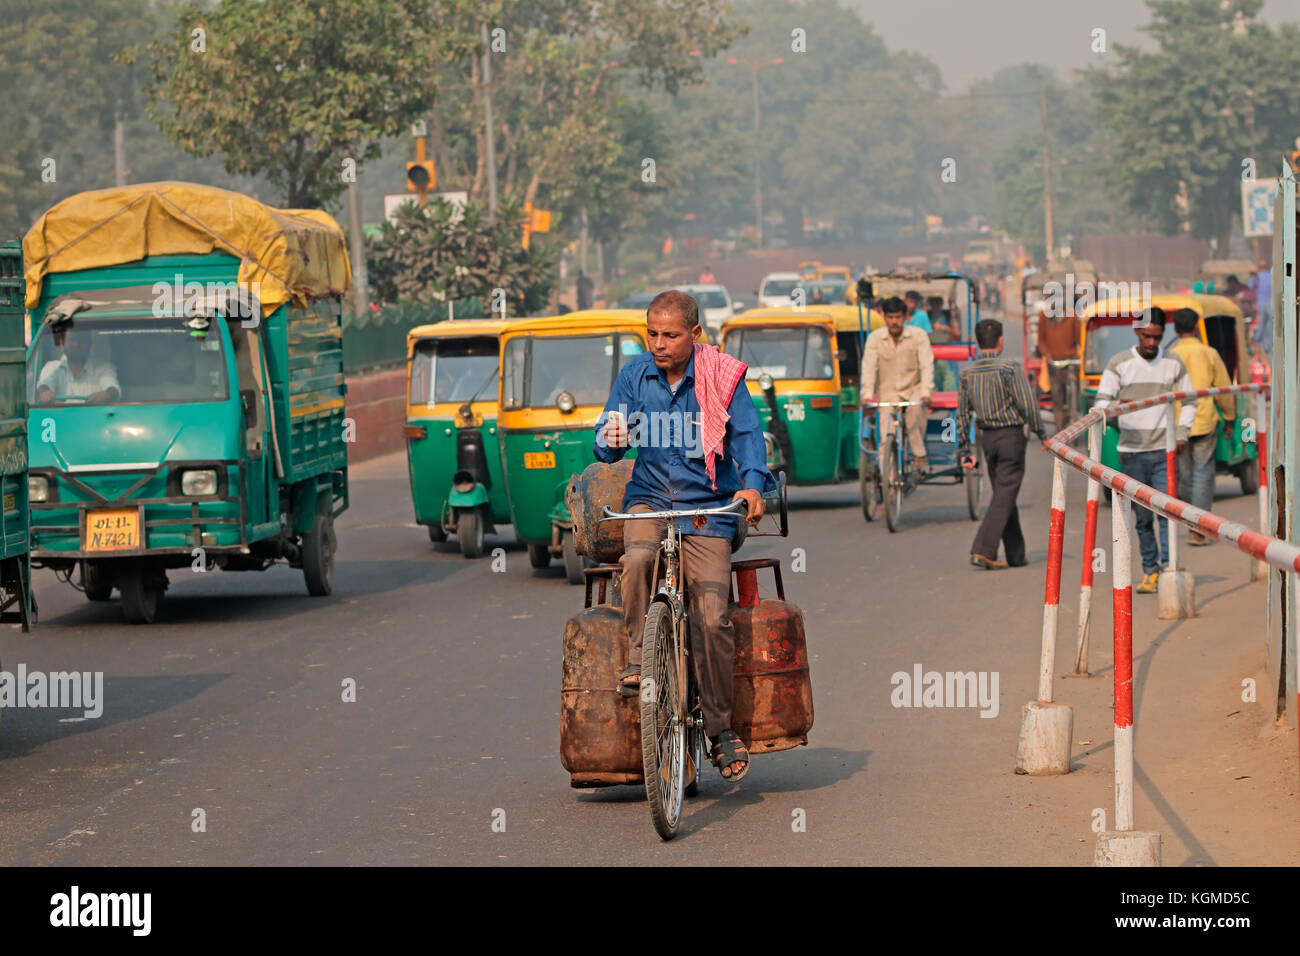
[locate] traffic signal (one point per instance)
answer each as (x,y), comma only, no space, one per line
(535,220)
(420,177)
(1295,161)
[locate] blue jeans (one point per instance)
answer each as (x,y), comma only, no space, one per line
(1148,467)
(1196,470)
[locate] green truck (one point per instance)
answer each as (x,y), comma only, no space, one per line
(17,605)
(184,416)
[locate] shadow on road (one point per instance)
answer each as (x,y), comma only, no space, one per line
(27,729)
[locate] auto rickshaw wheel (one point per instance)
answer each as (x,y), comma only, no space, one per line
(142,591)
(1248,475)
(869,487)
(436,534)
(96,580)
(539,555)
(318,555)
(469,533)
(573,562)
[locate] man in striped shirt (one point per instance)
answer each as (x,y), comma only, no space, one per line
(996,393)
(1142,372)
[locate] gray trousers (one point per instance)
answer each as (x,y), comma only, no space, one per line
(706,571)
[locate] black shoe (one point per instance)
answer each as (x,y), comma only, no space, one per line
(1018,563)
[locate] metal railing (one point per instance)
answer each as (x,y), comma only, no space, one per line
(1126,491)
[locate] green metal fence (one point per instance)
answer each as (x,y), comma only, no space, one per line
(378,339)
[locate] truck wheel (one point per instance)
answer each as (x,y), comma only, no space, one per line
(539,556)
(573,563)
(97,581)
(469,532)
(1248,474)
(318,556)
(436,534)
(142,592)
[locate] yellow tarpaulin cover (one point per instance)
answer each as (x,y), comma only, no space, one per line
(283,254)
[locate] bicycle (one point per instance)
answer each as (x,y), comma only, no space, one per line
(1071,402)
(672,721)
(886,477)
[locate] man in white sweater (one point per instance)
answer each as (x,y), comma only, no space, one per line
(1142,372)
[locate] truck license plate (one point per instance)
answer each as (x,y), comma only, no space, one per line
(112,529)
(539,459)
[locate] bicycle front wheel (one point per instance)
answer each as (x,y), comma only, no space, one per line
(663,726)
(893,481)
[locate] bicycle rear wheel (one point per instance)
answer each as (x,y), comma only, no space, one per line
(663,731)
(893,485)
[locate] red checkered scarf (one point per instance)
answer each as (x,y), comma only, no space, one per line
(716,377)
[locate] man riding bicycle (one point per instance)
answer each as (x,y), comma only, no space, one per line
(1058,342)
(899,363)
(699,444)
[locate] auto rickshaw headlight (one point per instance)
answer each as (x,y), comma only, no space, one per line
(202,481)
(466,412)
(765,382)
(38,488)
(565,403)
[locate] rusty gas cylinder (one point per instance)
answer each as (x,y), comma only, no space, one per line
(772,706)
(600,484)
(600,730)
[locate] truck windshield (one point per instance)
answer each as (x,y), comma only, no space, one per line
(129,360)
(783,353)
(454,370)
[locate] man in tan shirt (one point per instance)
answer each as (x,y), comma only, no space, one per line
(1058,339)
(898,366)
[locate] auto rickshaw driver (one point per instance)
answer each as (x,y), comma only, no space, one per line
(73,375)
(699,386)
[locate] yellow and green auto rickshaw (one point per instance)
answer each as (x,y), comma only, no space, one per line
(556,375)
(809,268)
(804,370)
(451,430)
(1107,329)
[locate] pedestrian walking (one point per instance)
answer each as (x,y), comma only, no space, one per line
(586,290)
(1196,458)
(995,392)
(1144,371)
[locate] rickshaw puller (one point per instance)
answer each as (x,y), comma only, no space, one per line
(680,381)
(898,363)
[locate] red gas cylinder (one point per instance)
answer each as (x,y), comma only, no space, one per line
(600,730)
(772,706)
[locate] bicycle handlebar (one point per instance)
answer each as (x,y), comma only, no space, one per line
(890,404)
(733,508)
(1059,363)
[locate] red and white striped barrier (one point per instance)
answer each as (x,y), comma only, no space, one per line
(1258,544)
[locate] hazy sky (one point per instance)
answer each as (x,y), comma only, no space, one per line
(973,39)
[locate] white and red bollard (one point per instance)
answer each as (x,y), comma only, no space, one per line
(1176,588)
(1046,728)
(1124,846)
(1096,433)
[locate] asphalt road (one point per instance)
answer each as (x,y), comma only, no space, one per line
(233,705)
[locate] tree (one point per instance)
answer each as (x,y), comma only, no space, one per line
(438,251)
(1182,120)
(290,89)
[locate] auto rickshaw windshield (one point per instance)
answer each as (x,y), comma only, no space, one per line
(783,353)
(147,360)
(1106,341)
(454,370)
(585,366)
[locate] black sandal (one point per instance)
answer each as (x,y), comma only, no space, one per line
(729,749)
(629,688)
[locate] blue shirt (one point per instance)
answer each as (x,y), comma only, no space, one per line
(921,319)
(665,430)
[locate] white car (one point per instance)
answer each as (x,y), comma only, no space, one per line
(715,305)
(774,291)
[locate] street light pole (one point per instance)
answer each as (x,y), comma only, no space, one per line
(487,119)
(1047,165)
(758,168)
